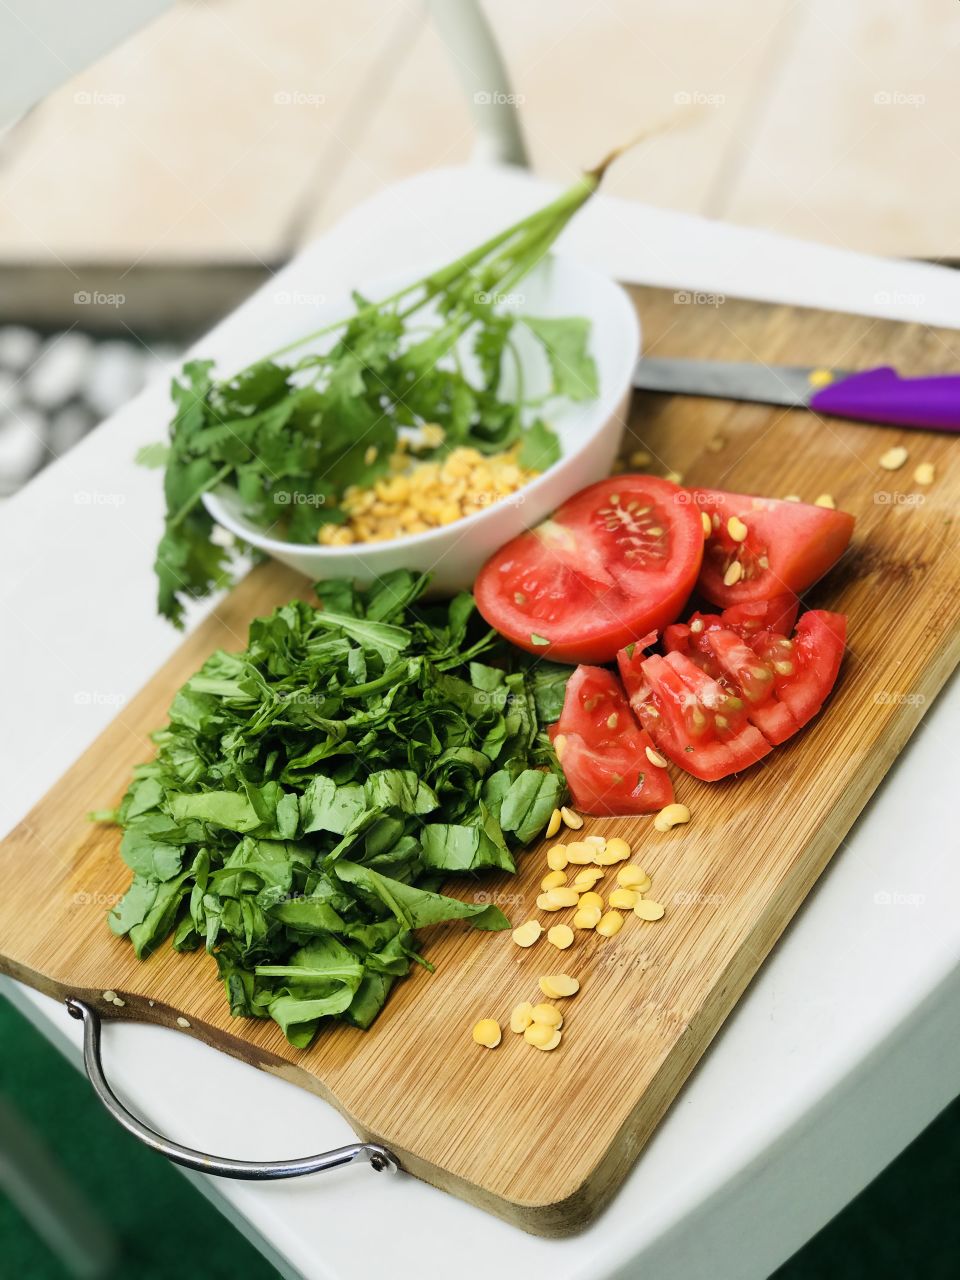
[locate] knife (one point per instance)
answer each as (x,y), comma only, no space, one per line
(872,395)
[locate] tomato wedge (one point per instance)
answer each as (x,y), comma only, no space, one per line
(783,682)
(618,559)
(602,749)
(759,548)
(694,720)
(776,614)
(804,669)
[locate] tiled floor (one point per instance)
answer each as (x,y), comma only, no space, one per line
(232,130)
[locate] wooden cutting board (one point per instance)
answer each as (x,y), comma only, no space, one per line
(544,1140)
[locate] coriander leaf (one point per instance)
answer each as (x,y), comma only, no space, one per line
(290,438)
(565,342)
(539,448)
(152,455)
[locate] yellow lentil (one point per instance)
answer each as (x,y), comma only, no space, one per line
(424,495)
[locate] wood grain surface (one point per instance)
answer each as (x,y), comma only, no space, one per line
(545,1139)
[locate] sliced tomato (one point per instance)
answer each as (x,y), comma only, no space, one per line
(617,560)
(783,682)
(785,548)
(746,620)
(694,720)
(779,613)
(602,749)
(804,668)
(744,672)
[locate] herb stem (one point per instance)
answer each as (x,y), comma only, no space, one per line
(549,220)
(194,498)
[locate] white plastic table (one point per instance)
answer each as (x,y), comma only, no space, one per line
(841,1051)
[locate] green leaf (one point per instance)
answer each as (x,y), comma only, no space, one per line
(463,848)
(152,455)
(325,806)
(368,999)
(565,342)
(308,915)
(540,447)
(399,789)
(134,906)
(152,846)
(527,806)
(320,981)
(228,809)
(378,636)
(549,681)
(415,908)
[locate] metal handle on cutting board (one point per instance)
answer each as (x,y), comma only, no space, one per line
(379,1158)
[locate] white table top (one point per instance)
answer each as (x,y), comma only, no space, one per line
(835,1058)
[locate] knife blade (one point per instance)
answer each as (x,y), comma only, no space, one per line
(877,395)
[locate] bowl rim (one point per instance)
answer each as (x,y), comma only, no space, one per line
(605,404)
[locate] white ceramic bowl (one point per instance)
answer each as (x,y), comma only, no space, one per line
(589,434)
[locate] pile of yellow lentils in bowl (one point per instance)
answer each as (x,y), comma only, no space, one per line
(420,495)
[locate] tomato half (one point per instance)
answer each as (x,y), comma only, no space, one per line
(602,749)
(694,720)
(786,548)
(617,560)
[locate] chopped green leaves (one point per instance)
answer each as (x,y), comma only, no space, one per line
(311,793)
(527,806)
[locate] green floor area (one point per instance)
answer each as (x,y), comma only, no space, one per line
(904,1226)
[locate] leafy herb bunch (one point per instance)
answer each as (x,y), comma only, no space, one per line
(310,793)
(291,436)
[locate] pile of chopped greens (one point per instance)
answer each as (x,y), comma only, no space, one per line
(310,794)
(290,436)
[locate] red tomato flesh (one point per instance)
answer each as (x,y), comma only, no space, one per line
(777,614)
(783,681)
(804,674)
(787,547)
(618,559)
(602,749)
(694,720)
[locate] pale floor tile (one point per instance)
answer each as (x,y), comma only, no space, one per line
(243,128)
(859,142)
(421,122)
(201,136)
(590,76)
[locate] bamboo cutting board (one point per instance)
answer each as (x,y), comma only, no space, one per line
(544,1140)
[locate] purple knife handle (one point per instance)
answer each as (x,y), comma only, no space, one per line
(881,395)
